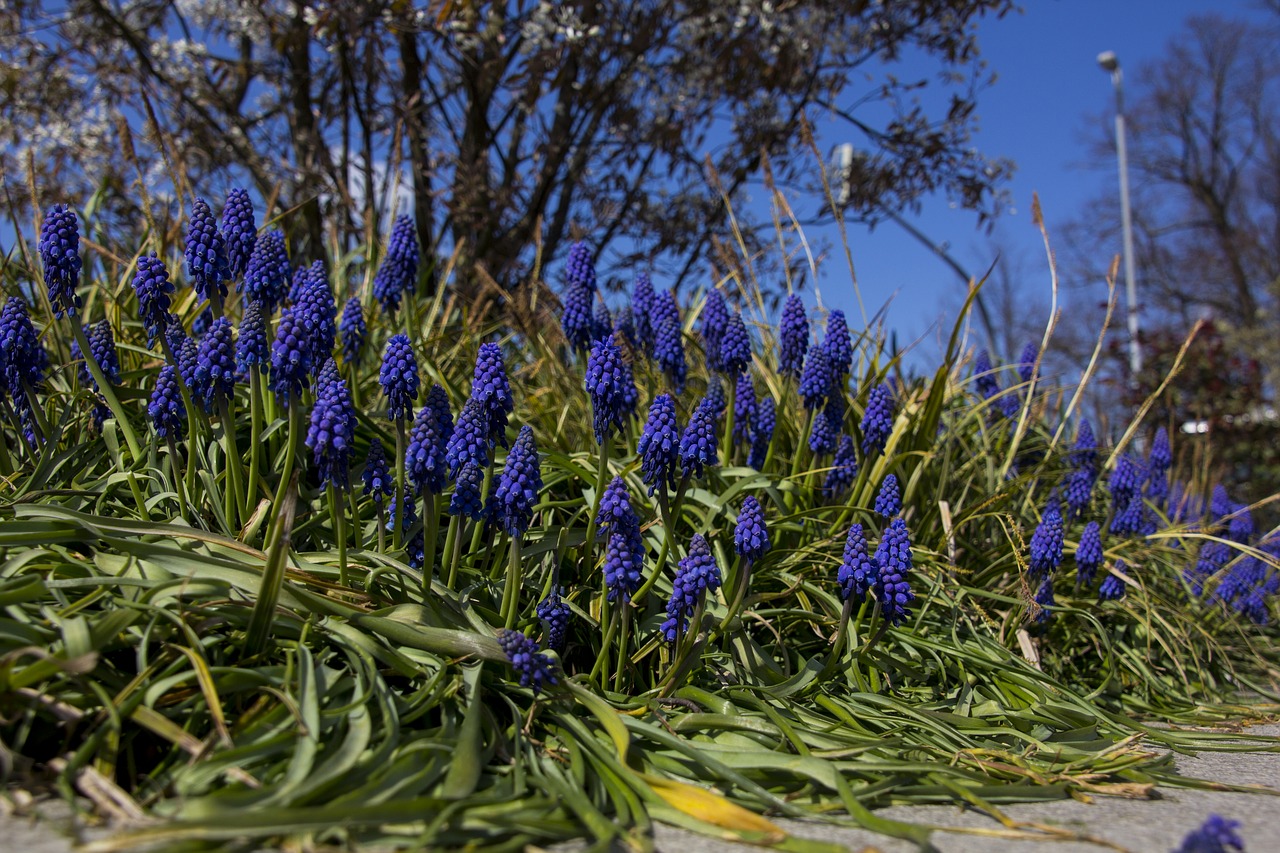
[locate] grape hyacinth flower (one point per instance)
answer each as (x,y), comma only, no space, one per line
(659,445)
(696,575)
(984,376)
(1126,481)
(601,322)
(290,358)
(668,351)
(606,385)
(1130,520)
(816,380)
(490,386)
(1089,553)
(844,469)
(215,378)
(1084,453)
(554,613)
(624,328)
(1112,588)
(1215,835)
(398,272)
(1045,600)
(152,286)
(470,439)
(102,346)
(22,359)
(206,254)
(408,519)
(1027,362)
(252,352)
(200,325)
(352,330)
(623,567)
(762,432)
(889,498)
(1158,462)
(735,346)
(838,347)
(711,325)
(377,476)
(877,420)
(299,280)
(518,487)
(239,231)
(822,438)
(267,272)
(424,459)
(715,397)
(188,360)
(698,444)
(859,571)
(579,297)
(744,408)
(468,498)
(60,257)
(893,557)
(399,377)
(318,312)
(165,408)
(331,432)
(1046,542)
(642,311)
(750,535)
(535,669)
(793,337)
(616,517)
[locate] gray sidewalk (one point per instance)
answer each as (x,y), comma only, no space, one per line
(1142,826)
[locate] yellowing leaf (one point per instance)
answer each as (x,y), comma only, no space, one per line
(714,809)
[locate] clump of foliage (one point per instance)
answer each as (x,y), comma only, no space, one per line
(408,577)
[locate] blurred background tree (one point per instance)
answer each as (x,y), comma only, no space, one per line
(1204,160)
(517,124)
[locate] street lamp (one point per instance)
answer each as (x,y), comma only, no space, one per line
(1108,62)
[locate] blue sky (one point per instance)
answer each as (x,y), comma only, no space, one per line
(1048,99)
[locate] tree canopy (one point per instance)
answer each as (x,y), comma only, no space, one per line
(518,124)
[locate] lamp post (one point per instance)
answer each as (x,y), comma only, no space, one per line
(1108,62)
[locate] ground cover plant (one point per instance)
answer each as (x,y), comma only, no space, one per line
(291,554)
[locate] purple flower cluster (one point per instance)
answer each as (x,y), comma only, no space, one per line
(712,324)
(1112,587)
(22,359)
(352,331)
(554,613)
(518,487)
(659,445)
(668,350)
(579,297)
(844,469)
(165,408)
(625,552)
(239,231)
(424,457)
(642,308)
(206,253)
(793,337)
(744,408)
(60,256)
(470,440)
(290,358)
(535,669)
(1089,553)
(889,498)
(696,575)
(399,377)
(332,430)
(215,378)
(252,352)
(750,535)
(152,286)
(893,558)
(467,499)
(377,475)
(698,447)
(1215,835)
(267,272)
(877,420)
(1046,542)
(398,273)
(762,427)
(859,571)
(838,349)
(815,381)
(607,380)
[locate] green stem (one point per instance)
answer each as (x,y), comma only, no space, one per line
(177,479)
(452,540)
(668,536)
(255,438)
(339,523)
(382,528)
(6,464)
(294,412)
(602,471)
(395,522)
(622,647)
(108,394)
(138,499)
(511,591)
(235,489)
(802,445)
(37,413)
(430,533)
(602,659)
(355,519)
(740,583)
